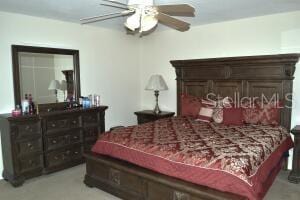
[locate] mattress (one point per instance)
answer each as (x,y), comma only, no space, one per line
(235,159)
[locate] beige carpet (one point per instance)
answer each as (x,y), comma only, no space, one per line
(68,185)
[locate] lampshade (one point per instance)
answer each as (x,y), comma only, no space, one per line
(54,85)
(156,83)
(63,85)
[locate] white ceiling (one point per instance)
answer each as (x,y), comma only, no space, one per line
(207,11)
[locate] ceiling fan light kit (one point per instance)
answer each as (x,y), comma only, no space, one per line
(144,15)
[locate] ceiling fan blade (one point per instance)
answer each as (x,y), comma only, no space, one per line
(115,2)
(103,4)
(173,22)
(105,17)
(177,10)
(100,19)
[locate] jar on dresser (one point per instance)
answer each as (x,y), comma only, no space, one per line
(33,145)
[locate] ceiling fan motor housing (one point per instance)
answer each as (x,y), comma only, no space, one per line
(144,15)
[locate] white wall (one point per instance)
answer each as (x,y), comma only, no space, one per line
(271,34)
(108,65)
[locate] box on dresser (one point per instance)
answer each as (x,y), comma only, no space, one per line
(33,145)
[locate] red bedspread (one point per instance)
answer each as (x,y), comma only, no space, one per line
(236,159)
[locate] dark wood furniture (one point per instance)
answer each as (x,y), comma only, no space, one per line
(248,76)
(69,76)
(294,175)
(75,82)
(149,116)
(33,145)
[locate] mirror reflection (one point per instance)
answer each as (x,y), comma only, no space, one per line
(48,78)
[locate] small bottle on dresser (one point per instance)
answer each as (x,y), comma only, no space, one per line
(25,105)
(31,109)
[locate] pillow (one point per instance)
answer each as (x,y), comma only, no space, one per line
(218,115)
(218,111)
(206,111)
(262,113)
(190,105)
(269,113)
(232,116)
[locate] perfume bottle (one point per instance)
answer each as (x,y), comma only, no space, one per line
(25,105)
(17,111)
(31,108)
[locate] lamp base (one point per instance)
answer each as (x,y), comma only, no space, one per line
(156,109)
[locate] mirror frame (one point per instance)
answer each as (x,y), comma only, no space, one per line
(16,49)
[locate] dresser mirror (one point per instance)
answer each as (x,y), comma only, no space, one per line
(49,75)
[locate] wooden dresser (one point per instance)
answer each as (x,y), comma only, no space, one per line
(33,145)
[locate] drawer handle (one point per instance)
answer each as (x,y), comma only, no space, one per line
(75,137)
(76,152)
(31,162)
(180,196)
(30,146)
(54,141)
(28,128)
(53,125)
(74,122)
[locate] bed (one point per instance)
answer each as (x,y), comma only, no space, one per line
(246,76)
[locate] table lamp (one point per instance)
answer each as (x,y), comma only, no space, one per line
(54,85)
(156,83)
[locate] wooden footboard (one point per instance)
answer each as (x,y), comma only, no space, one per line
(131,182)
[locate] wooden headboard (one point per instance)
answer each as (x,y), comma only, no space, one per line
(249,76)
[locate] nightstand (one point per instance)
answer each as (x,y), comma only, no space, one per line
(149,116)
(294,175)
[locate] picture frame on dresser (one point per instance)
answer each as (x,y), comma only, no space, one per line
(57,63)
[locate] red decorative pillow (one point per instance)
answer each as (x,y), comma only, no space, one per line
(262,113)
(206,111)
(190,105)
(232,116)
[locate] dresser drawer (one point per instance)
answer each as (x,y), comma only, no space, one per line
(90,118)
(160,191)
(54,142)
(27,163)
(91,133)
(121,180)
(88,145)
(62,123)
(57,158)
(29,146)
(25,129)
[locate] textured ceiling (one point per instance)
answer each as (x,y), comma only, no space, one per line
(207,11)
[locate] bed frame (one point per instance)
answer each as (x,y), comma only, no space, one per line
(249,76)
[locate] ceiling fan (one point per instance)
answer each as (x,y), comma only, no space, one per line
(144,15)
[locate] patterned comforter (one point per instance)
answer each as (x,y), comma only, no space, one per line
(236,159)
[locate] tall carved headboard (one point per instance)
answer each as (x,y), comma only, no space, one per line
(249,76)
